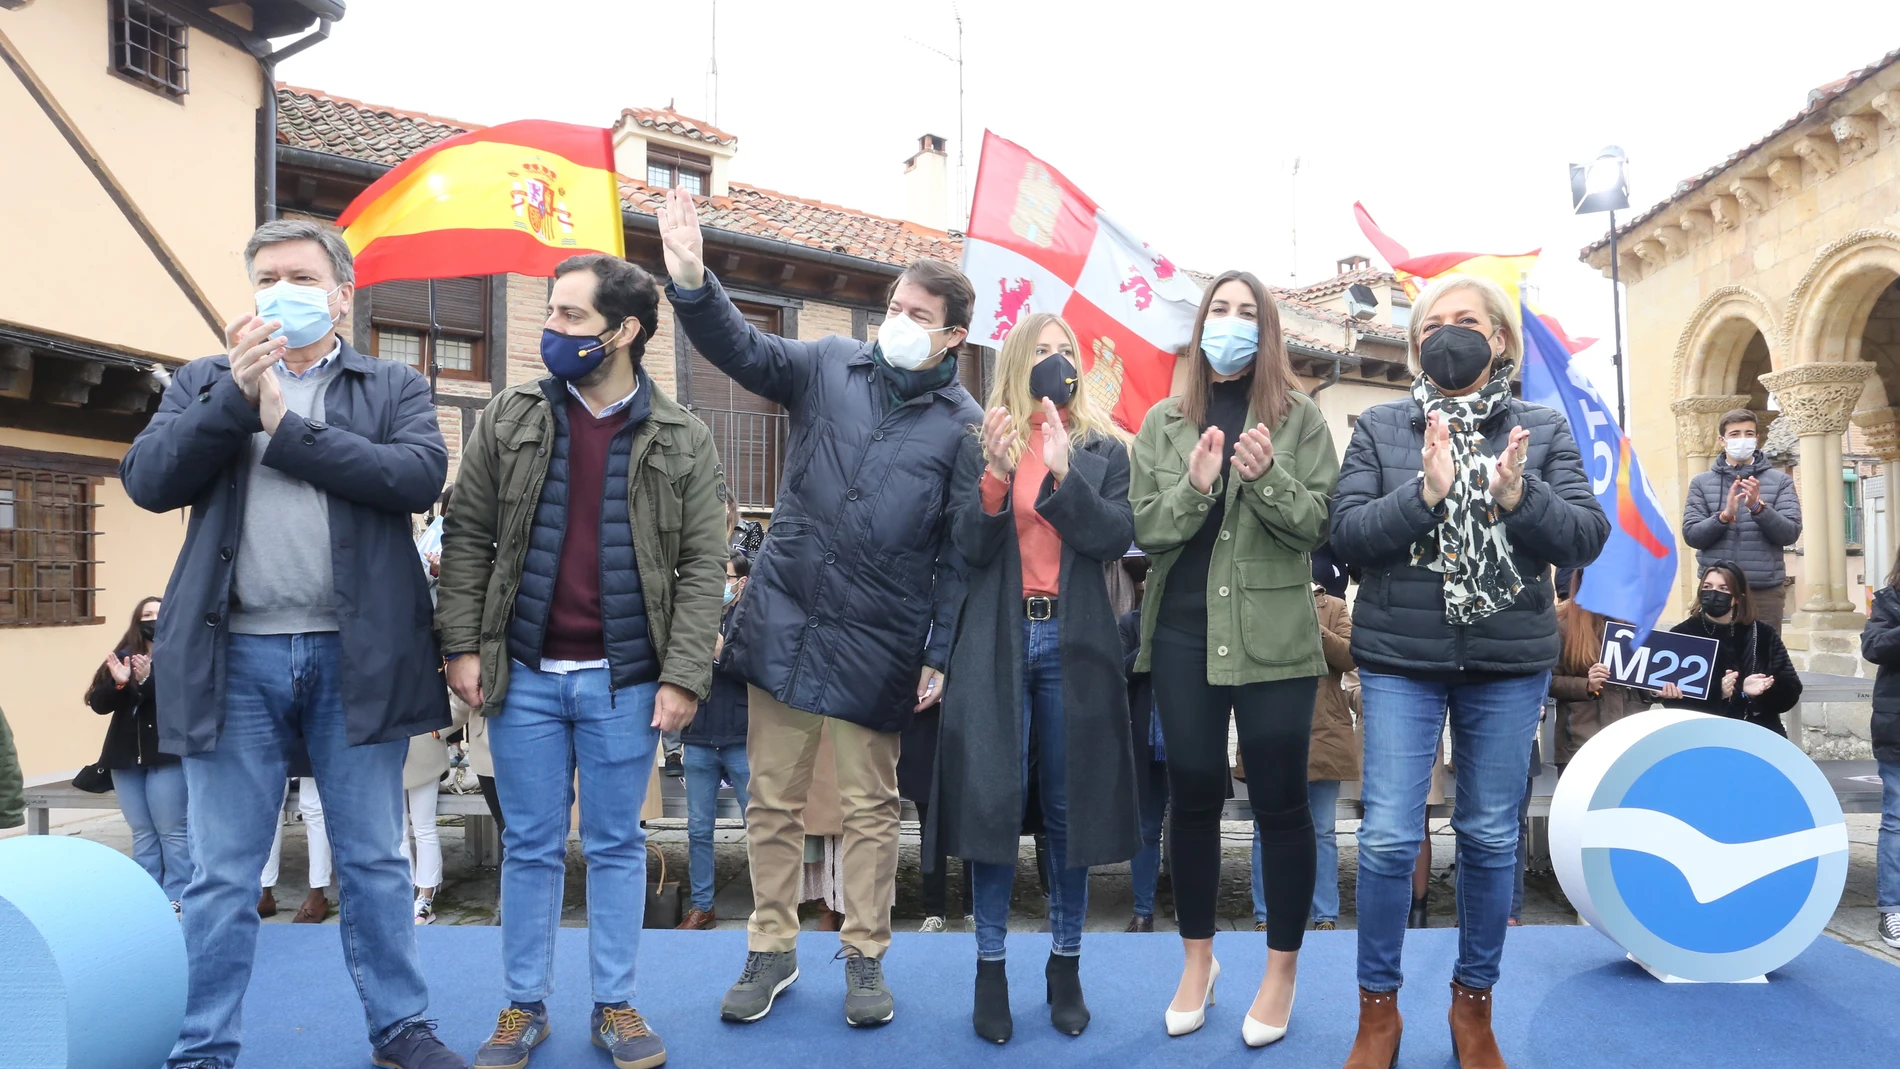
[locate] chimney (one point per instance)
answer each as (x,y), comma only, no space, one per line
(926,180)
(1348,264)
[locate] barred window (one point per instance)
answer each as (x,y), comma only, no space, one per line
(399,313)
(148,47)
(667,168)
(48,563)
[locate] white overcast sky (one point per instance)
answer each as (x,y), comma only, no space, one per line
(1452,122)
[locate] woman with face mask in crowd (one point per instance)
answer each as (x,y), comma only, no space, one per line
(1753,678)
(1455,502)
(1230,486)
(1040,510)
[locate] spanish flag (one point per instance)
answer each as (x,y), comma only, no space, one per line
(516,198)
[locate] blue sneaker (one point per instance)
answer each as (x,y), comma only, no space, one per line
(517,1033)
(623,1033)
(416,1047)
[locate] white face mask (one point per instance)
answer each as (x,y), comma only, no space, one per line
(906,345)
(1739,448)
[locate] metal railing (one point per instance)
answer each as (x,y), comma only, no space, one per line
(752,448)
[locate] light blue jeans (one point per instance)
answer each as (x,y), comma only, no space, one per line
(153,801)
(278,688)
(1144,872)
(1322,797)
(705,766)
(1887,854)
(1492,725)
(550,726)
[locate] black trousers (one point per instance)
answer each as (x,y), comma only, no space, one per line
(1275,724)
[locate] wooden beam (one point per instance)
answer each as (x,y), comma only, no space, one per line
(67,383)
(15,362)
(786,272)
(730,263)
(836,282)
(133,393)
(69,463)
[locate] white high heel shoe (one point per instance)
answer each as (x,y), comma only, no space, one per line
(1181,1023)
(1257,1034)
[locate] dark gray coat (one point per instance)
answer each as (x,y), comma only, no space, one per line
(1755,540)
(379,457)
(1880,645)
(1398,620)
(978,811)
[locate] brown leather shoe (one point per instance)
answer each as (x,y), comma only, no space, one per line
(267,904)
(1139,923)
(698,920)
(1377,1044)
(315,908)
(1471,1040)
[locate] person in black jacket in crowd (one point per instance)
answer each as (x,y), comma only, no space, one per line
(150,784)
(1880,644)
(715,750)
(854,594)
(1753,679)
(1151,756)
(1455,503)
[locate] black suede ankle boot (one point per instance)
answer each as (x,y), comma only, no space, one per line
(1067,1011)
(991,1016)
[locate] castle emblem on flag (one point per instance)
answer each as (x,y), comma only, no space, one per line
(538,204)
(1105,374)
(1038,202)
(1010,308)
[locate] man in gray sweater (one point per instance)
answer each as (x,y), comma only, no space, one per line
(1744,509)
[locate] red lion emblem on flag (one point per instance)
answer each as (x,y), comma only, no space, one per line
(1143,289)
(1015,299)
(1164,267)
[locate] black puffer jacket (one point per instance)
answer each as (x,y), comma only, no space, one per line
(1398,621)
(623,607)
(132,737)
(857,587)
(1880,644)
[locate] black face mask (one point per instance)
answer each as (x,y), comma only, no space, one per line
(1717,603)
(147,629)
(1053,378)
(1454,357)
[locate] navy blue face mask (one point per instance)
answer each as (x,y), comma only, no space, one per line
(571,356)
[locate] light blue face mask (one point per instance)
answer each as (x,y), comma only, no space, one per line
(304,311)
(1229,343)
(730,594)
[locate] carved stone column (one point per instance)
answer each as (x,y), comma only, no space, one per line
(1697,423)
(1818,399)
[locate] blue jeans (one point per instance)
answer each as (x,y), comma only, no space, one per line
(1492,725)
(1887,854)
(1322,797)
(705,765)
(1144,872)
(550,726)
(279,688)
(1042,724)
(153,801)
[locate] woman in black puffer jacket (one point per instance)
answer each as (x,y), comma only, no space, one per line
(1454,503)
(150,784)
(1880,644)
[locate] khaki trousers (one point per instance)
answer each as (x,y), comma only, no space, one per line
(781,746)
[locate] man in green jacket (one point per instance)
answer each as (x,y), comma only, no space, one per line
(12,784)
(583,565)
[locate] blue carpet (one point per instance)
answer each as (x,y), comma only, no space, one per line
(1568,999)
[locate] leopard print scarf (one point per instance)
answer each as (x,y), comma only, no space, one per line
(1469,546)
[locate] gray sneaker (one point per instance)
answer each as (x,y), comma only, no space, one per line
(866,1000)
(1890,929)
(767,973)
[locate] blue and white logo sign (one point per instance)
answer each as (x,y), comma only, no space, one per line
(1709,848)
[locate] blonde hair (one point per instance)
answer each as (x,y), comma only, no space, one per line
(1085,417)
(1497,304)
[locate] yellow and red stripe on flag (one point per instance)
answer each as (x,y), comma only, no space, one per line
(516,198)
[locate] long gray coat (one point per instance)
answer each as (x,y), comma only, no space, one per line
(978,809)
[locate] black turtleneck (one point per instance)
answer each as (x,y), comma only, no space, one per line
(1183,616)
(1768,657)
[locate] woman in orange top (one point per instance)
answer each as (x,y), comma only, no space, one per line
(1039,511)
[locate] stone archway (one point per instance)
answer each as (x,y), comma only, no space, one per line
(1730,342)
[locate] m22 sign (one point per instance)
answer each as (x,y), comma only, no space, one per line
(1664,657)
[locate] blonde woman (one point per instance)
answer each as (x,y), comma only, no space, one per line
(1040,510)
(1455,503)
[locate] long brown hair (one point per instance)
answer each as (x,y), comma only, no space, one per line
(1273,377)
(1582,632)
(131,642)
(1737,588)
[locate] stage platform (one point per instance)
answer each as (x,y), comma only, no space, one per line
(1568,999)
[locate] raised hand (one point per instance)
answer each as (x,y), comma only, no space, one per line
(999,442)
(255,346)
(1436,457)
(681,242)
(1735,497)
(1253,452)
(141,667)
(1751,492)
(1507,483)
(1055,441)
(1757,685)
(1729,679)
(121,670)
(1204,462)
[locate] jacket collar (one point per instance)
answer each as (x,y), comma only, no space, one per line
(862,358)
(659,406)
(1755,466)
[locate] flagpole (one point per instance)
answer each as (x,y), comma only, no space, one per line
(1616,313)
(435,366)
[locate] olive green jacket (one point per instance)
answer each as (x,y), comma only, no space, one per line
(1261,624)
(12,784)
(676,498)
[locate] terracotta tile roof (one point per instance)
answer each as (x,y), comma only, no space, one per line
(811,223)
(673,122)
(1818,101)
(314,120)
(1324,288)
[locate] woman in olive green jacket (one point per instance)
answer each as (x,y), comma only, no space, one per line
(1231,486)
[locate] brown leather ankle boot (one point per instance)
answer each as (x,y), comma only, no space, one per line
(1471,1040)
(1377,1045)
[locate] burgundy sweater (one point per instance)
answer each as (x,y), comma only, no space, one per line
(574,618)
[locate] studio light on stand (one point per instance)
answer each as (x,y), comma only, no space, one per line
(1603,185)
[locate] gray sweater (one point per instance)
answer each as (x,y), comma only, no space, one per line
(283,584)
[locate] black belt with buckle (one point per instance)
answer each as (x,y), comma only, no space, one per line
(1039,608)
